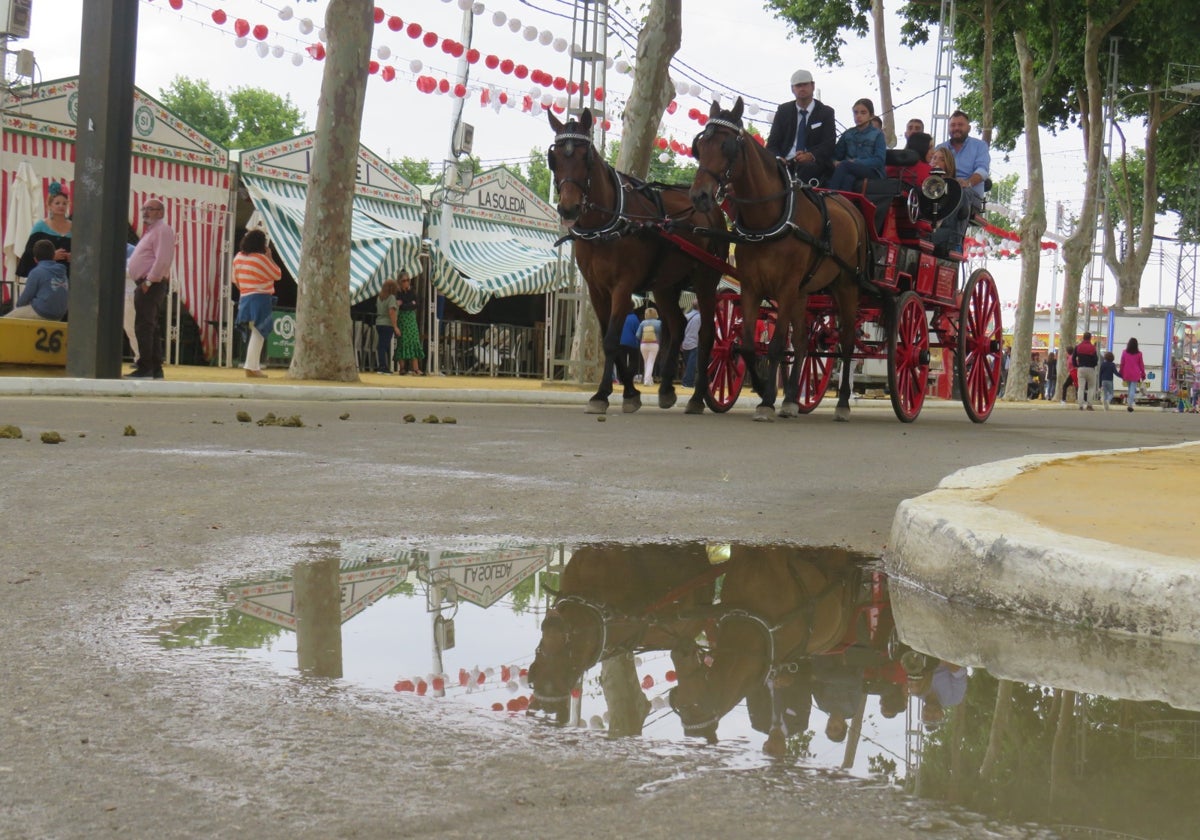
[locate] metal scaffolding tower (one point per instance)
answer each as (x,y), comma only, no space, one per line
(589,59)
(1094,289)
(1185,280)
(943,76)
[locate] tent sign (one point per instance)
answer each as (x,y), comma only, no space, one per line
(484,578)
(275,601)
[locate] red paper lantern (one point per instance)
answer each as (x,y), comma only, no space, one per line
(443,85)
(520,71)
(395,24)
(670,676)
(503,101)
(584,87)
(522,703)
(661,143)
(463,677)
(219,17)
(379,14)
(606,124)
(702,119)
(526,103)
(177,4)
(430,39)
(472,55)
(404,685)
(447,45)
(492,61)
(422,687)
(505,673)
(497,707)
(241,27)
(760,139)
(556,108)
(261,32)
(694,114)
(672,106)
(647,681)
(576,693)
(460,90)
(506,66)
(373,67)
(572,88)
(513,705)
(413,30)
(482,678)
(389,73)
(457,49)
(524,672)
(599,94)
(316,51)
(485,96)
(559,83)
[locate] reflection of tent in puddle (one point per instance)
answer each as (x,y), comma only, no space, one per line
(481,577)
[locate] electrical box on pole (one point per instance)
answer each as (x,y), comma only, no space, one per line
(16,18)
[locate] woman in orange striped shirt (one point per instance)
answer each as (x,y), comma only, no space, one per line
(255,273)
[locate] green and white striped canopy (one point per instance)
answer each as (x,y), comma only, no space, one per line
(385,236)
(488,259)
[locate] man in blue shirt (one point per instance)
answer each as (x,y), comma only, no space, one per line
(45,293)
(690,346)
(972,159)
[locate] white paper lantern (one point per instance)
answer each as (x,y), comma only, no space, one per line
(621,66)
(286,13)
(464,4)
(305,26)
(277,51)
(514,24)
(545,37)
(608,62)
(560,44)
(321,35)
(535,92)
(560,101)
(530,33)
(239,42)
(498,18)
(415,65)
(297,59)
(478,9)
(384,52)
(752,108)
(694,89)
(681,88)
(664,158)
(262,49)
(547,99)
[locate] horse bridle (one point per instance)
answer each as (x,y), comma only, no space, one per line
(729,151)
(603,617)
(617,214)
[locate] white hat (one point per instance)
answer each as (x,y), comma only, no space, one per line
(801,77)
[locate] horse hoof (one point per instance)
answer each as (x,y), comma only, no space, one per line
(630,406)
(596,407)
(694,407)
(789,410)
(776,747)
(841,415)
(764,414)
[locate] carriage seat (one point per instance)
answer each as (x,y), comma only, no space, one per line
(881,192)
(900,157)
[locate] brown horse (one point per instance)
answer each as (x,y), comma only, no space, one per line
(613,600)
(779,606)
(616,223)
(792,241)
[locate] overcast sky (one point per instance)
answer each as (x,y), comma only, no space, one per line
(733,46)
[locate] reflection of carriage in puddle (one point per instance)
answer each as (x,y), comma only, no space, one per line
(778,627)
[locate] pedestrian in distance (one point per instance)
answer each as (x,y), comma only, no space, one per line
(408,335)
(386,327)
(1107,373)
(649,335)
(150,268)
(1086,360)
(690,346)
(45,294)
(255,275)
(1133,371)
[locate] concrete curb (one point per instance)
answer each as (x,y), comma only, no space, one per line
(951,542)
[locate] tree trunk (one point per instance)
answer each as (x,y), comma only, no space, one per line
(324,347)
(883,72)
(1129,264)
(1078,246)
(986,120)
(1062,740)
(1033,222)
(627,705)
(1000,720)
(652,89)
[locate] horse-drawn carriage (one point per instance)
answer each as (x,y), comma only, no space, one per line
(856,276)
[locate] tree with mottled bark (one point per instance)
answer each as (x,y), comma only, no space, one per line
(324,346)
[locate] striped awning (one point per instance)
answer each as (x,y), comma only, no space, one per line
(488,259)
(385,237)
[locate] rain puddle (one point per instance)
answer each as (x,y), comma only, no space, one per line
(761,654)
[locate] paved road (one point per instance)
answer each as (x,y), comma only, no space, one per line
(110,536)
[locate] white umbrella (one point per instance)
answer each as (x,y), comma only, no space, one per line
(24,204)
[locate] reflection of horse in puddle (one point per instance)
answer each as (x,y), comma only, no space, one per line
(615,600)
(779,607)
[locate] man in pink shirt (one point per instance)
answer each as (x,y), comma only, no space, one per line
(150,268)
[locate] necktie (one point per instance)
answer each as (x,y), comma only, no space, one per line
(801,131)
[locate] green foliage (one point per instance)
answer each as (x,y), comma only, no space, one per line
(800,745)
(228,628)
(416,171)
(537,173)
(820,23)
(242,119)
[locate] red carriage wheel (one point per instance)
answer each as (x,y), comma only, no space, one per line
(818,364)
(726,367)
(908,356)
(980,339)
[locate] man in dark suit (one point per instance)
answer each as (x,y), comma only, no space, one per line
(803,132)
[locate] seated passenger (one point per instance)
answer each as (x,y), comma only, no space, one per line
(915,174)
(859,152)
(948,235)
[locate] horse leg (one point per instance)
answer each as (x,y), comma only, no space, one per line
(631,397)
(602,306)
(674,317)
(791,386)
(776,744)
(706,300)
(765,410)
(847,299)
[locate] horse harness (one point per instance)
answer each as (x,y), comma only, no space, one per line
(786,225)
